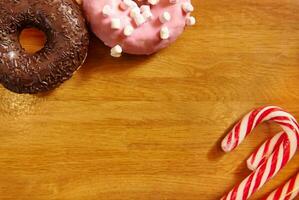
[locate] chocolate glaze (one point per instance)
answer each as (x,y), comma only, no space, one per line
(64,51)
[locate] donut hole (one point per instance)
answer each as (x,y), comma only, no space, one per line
(32,40)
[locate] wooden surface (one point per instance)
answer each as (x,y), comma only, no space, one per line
(149,127)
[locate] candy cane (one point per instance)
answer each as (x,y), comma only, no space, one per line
(288,191)
(278,159)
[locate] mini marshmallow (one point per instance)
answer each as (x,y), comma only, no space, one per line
(147,14)
(133,4)
(116,51)
(107,10)
(125,4)
(134,11)
(153,2)
(128,30)
(164,33)
(187,7)
(144,8)
(115,23)
(190,21)
(139,19)
(115,55)
(165,17)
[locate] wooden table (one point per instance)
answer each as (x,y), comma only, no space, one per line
(150,127)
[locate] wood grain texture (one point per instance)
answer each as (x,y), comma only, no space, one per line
(149,127)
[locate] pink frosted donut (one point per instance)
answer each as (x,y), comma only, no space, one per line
(142,27)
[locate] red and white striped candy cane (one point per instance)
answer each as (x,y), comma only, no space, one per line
(279,158)
(288,191)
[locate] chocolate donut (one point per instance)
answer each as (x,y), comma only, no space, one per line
(64,52)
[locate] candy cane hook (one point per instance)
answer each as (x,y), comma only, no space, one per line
(280,154)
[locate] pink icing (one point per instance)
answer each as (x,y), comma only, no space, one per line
(145,39)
